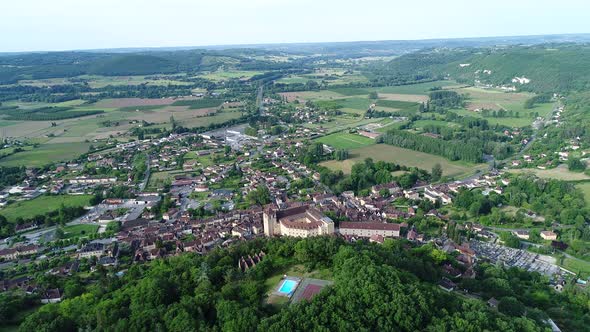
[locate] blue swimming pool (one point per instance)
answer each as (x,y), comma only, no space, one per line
(288,286)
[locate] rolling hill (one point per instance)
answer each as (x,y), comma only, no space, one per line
(550,68)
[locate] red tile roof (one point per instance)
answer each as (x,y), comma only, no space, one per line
(370,225)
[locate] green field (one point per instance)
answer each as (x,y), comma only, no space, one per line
(577,266)
(42,205)
(496,100)
(79,230)
(352,91)
(345,140)
(559,173)
(397,104)
(344,122)
(199,103)
(223,75)
(422,123)
(45,154)
(418,89)
(404,157)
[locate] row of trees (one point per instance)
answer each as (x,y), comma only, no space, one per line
(453,150)
(365,174)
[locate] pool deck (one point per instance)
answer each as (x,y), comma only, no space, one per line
(278,293)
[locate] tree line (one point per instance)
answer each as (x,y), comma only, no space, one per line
(452,150)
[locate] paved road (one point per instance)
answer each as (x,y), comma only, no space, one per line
(146,177)
(259,99)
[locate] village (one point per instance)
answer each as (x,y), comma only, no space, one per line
(236,188)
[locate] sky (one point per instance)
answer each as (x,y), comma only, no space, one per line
(49,25)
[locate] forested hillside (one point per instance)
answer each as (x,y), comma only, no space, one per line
(389,287)
(550,68)
(70,64)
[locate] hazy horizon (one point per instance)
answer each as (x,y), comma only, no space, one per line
(89,25)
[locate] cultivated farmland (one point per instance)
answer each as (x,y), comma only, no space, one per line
(346,140)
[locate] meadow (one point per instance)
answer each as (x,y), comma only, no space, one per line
(495,100)
(224,75)
(404,157)
(345,121)
(418,89)
(42,205)
(558,173)
(346,141)
(45,153)
(81,230)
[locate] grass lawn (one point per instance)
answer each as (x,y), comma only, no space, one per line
(576,266)
(42,205)
(204,121)
(404,157)
(79,230)
(345,140)
(45,154)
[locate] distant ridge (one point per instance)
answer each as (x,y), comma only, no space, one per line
(330,47)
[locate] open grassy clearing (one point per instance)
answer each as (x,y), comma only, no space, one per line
(81,230)
(403,97)
(346,140)
(224,75)
(418,89)
(509,122)
(391,125)
(136,102)
(559,173)
(204,160)
(404,157)
(45,153)
(577,266)
(422,123)
(496,100)
(304,96)
(331,77)
(352,91)
(42,205)
(344,122)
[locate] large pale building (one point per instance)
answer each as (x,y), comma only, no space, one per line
(298,221)
(368,229)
